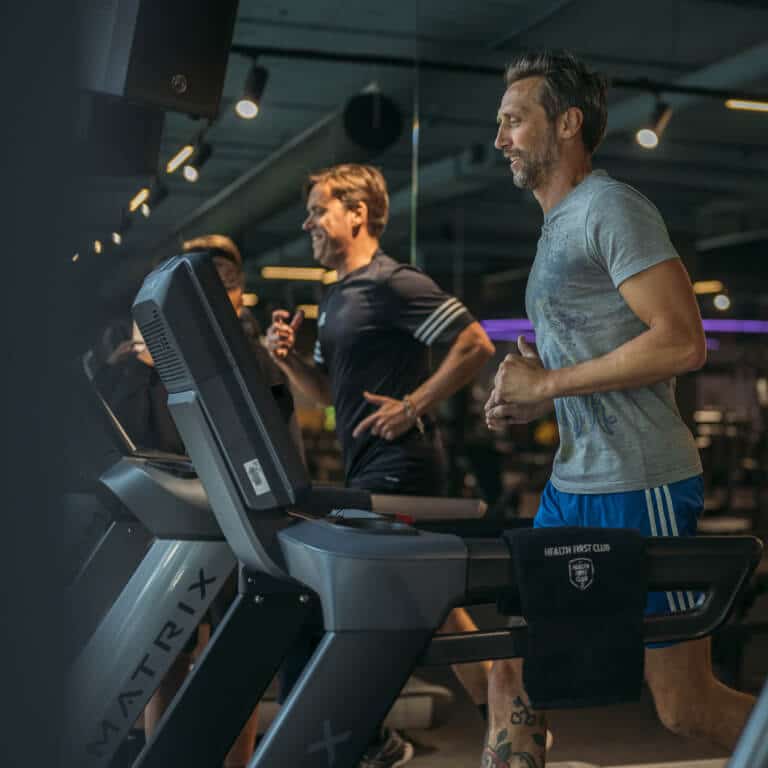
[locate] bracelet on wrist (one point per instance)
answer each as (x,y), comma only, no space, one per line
(410,412)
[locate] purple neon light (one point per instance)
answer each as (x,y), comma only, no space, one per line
(735,326)
(508,329)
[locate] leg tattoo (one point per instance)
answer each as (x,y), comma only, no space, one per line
(501,755)
(522,716)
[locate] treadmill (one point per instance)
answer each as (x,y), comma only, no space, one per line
(101,468)
(141,593)
(384,580)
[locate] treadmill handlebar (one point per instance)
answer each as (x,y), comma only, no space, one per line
(327,500)
(717,566)
(428,508)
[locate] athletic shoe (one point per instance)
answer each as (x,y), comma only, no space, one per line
(390,752)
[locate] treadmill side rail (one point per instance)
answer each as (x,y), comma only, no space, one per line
(341,698)
(239,662)
(104,575)
(125,660)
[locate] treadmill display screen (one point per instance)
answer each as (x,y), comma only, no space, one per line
(223,409)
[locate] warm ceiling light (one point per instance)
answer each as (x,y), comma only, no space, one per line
(745,104)
(248,105)
(721,302)
(201,156)
(331,276)
(250,299)
(97,247)
(648,137)
(310,311)
(180,158)
(707,286)
(708,416)
(76,257)
(246,109)
(315,274)
(141,197)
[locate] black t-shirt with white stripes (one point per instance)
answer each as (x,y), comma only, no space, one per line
(374,330)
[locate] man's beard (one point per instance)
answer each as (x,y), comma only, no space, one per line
(535,166)
(329,254)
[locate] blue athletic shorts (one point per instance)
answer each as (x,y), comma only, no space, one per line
(669,510)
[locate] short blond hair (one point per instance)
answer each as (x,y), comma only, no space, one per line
(353,184)
(222,247)
(225,245)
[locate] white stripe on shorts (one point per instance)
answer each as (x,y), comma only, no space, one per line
(654,532)
(686,598)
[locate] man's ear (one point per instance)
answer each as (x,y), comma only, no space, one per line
(359,217)
(570,123)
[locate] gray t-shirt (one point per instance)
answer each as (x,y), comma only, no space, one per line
(600,234)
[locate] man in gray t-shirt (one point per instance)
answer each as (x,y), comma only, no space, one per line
(598,236)
(616,320)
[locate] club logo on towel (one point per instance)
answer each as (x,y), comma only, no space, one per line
(581,572)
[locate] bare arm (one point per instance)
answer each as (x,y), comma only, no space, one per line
(663,299)
(307,378)
(470,350)
(468,353)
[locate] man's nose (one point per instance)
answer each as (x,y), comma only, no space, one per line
(499,141)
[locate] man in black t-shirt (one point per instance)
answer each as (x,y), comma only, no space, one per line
(375,327)
(396,312)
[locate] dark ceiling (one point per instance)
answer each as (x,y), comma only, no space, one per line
(476,233)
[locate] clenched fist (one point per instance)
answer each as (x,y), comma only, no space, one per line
(281,335)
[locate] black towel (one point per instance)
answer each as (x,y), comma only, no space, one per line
(582,592)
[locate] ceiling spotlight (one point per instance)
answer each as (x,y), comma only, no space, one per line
(145,210)
(76,257)
(117,238)
(248,105)
(180,158)
(192,168)
(141,197)
(722,302)
(648,137)
(191,173)
(97,247)
(246,109)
